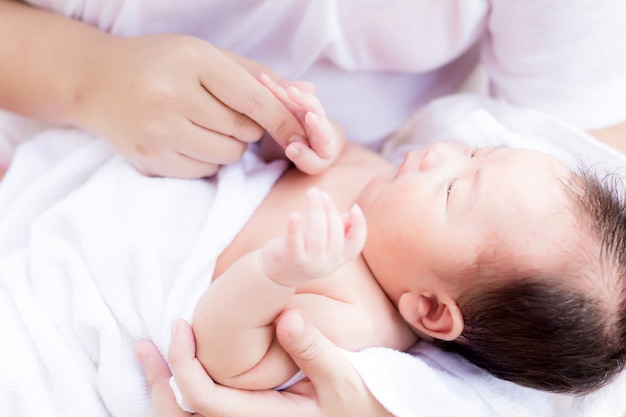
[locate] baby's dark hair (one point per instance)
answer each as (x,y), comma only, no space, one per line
(537,331)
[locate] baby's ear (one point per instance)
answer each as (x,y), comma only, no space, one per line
(437,316)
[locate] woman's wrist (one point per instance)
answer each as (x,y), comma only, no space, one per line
(100,55)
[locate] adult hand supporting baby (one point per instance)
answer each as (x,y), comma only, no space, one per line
(172,105)
(334,390)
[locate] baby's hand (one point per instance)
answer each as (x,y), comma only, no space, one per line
(329,241)
(324,140)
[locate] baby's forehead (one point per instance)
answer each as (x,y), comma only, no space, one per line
(533,157)
(531,227)
(523,166)
(536,250)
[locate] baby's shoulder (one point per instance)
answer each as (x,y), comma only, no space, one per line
(351,309)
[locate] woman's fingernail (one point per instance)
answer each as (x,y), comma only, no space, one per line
(292,152)
(140,357)
(293,91)
(175,328)
(297,325)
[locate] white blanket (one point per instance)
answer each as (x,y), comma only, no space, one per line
(95,256)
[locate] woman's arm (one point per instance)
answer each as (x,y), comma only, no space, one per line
(614,136)
(172,105)
(42,61)
(334,388)
(564,65)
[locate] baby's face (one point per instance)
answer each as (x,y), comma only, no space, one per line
(448,207)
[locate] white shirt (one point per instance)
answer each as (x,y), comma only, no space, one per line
(374,62)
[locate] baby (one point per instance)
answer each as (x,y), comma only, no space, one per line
(503,255)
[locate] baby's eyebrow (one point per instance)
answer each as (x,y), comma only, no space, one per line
(488,150)
(477,180)
(474,190)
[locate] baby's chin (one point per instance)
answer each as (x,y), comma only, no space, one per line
(373,189)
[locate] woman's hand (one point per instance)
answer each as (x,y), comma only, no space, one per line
(174,105)
(333,389)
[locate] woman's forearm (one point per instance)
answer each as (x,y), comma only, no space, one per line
(44,59)
(614,136)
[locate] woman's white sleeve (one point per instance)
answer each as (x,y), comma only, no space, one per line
(567,58)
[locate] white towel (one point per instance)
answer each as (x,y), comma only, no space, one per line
(95,256)
(433,383)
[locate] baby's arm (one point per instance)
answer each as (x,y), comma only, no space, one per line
(234,320)
(325,140)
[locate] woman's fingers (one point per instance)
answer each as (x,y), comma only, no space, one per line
(157,376)
(334,390)
(187,370)
(319,358)
(206,111)
(172,164)
(211,400)
(171,82)
(280,93)
(234,86)
(337,387)
(210,146)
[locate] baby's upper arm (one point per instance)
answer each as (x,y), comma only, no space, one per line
(346,325)
(343,323)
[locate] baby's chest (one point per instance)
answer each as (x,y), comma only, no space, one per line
(286,197)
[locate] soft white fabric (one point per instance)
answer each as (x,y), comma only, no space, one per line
(95,256)
(374,62)
(432,383)
(476,120)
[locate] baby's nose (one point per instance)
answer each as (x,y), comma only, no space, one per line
(435,155)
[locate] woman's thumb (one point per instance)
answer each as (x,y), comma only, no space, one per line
(313,353)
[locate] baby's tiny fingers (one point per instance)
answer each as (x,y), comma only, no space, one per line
(307,102)
(306,159)
(356,231)
(321,135)
(335,226)
(306,86)
(295,237)
(279,92)
(317,236)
